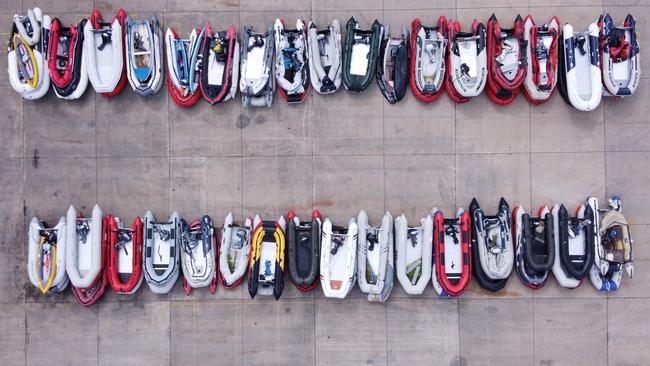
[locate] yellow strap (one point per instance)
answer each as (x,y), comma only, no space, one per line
(34,81)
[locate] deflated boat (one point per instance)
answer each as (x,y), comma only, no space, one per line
(66,60)
(219,65)
(338,259)
(375,257)
(124,267)
(198,257)
(452,251)
(46,256)
(506,55)
(144,59)
(291,61)
(27,54)
(182,66)
(267,258)
(580,76)
(162,251)
(256,81)
(574,244)
(613,247)
(466,61)
(541,59)
(394,68)
(304,242)
(324,51)
(428,48)
(413,254)
(86,255)
(234,251)
(492,248)
(104,53)
(620,54)
(535,246)
(360,55)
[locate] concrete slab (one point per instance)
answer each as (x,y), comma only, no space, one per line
(627,343)
(48,326)
(13,266)
(11,135)
(487,325)
(11,194)
(12,327)
(133,333)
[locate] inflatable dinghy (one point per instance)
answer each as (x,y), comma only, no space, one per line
(66,60)
(198,258)
(492,248)
(104,53)
(535,246)
(613,247)
(46,260)
(428,48)
(144,58)
(219,65)
(338,259)
(324,48)
(506,54)
(86,255)
(541,59)
(413,254)
(303,251)
(360,55)
(234,251)
(27,54)
(162,252)
(291,61)
(183,71)
(452,251)
(393,71)
(466,61)
(267,258)
(124,267)
(256,81)
(574,244)
(375,257)
(579,81)
(620,55)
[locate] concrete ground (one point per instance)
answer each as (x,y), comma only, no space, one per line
(338,154)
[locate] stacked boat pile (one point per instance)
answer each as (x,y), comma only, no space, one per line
(534,59)
(97,252)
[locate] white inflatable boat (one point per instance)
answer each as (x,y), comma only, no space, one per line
(580,76)
(46,256)
(162,251)
(428,49)
(338,259)
(466,61)
(620,54)
(144,59)
(198,255)
(84,247)
(234,251)
(27,64)
(375,257)
(256,81)
(104,53)
(324,53)
(541,59)
(613,247)
(291,61)
(413,254)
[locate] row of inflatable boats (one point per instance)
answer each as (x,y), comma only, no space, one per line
(531,58)
(97,252)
